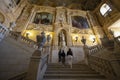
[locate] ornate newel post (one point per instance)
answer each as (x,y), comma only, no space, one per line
(34,66)
(86,52)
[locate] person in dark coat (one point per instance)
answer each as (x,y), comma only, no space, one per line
(70,57)
(63,57)
(69,52)
(59,55)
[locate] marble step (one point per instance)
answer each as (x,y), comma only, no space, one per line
(64,76)
(67,69)
(77,79)
(71,72)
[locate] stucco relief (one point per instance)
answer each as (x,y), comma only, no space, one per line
(61,15)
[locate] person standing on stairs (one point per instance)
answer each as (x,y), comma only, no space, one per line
(70,57)
(63,57)
(59,55)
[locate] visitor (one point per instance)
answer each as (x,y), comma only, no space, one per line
(70,57)
(59,55)
(63,57)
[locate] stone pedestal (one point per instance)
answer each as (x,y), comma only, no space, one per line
(33,69)
(86,52)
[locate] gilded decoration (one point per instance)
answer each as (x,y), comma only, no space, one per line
(62,20)
(45,9)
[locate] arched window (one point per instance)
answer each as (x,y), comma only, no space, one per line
(105,9)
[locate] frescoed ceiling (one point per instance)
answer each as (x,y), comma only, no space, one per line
(72,4)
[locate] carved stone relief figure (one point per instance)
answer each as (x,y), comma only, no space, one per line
(61,16)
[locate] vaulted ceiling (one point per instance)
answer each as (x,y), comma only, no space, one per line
(72,4)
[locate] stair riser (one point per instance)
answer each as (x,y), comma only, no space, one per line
(73,77)
(76,79)
(69,70)
(71,73)
(78,72)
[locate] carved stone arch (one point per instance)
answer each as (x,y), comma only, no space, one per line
(67,36)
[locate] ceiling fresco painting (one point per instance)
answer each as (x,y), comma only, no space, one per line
(72,4)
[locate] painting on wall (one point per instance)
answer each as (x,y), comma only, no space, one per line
(43,18)
(80,22)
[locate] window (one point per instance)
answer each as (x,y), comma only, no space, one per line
(105,9)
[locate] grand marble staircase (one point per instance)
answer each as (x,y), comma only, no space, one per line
(14,57)
(78,72)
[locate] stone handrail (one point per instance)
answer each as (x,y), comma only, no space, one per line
(103,66)
(14,35)
(17,36)
(94,49)
(44,61)
(29,42)
(117,40)
(41,68)
(19,76)
(38,64)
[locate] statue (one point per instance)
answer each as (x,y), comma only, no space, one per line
(62,39)
(48,38)
(83,40)
(41,39)
(12,25)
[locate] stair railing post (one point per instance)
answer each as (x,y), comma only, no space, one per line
(86,52)
(34,66)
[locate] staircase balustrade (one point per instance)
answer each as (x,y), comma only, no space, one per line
(104,66)
(14,35)
(17,36)
(37,66)
(117,40)
(19,76)
(95,49)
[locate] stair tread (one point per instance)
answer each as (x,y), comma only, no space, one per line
(73,72)
(76,79)
(72,75)
(78,72)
